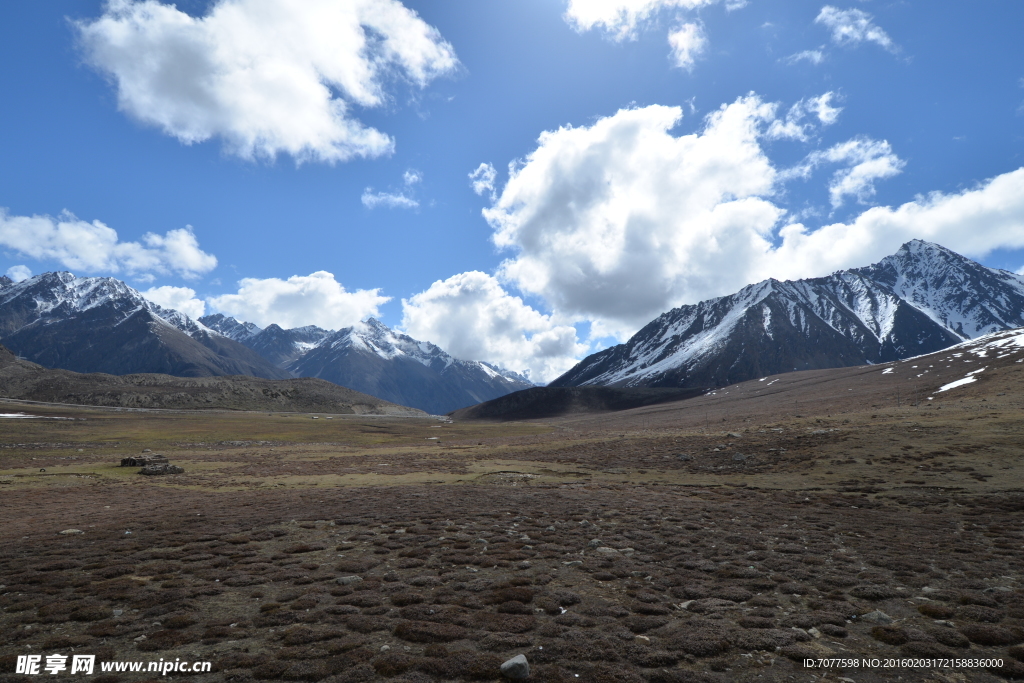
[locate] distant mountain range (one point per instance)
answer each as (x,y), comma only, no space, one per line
(921,299)
(24,380)
(100,324)
(376,360)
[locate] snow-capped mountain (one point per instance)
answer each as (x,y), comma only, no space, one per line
(376,360)
(276,344)
(100,324)
(921,299)
(229,327)
(955,292)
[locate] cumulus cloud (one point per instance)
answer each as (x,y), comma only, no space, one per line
(482,180)
(412,177)
(687,42)
(621,18)
(853,26)
(391,200)
(266,76)
(181,299)
(973,222)
(619,221)
(471,316)
(19,273)
(793,126)
(609,221)
(95,247)
(821,106)
(315,299)
(869,160)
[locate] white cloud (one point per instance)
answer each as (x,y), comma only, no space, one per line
(687,42)
(412,177)
(974,222)
(619,221)
(471,316)
(181,299)
(621,18)
(19,273)
(869,160)
(821,106)
(482,180)
(267,76)
(853,26)
(793,127)
(95,247)
(391,200)
(812,56)
(315,299)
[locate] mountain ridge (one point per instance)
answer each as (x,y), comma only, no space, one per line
(921,299)
(100,324)
(372,358)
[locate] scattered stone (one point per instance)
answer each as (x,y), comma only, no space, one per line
(684,457)
(516,668)
(161,469)
(348,580)
(877,617)
(71,532)
(606,550)
(596,543)
(739,457)
(573,563)
(735,435)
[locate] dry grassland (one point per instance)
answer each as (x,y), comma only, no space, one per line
(726,538)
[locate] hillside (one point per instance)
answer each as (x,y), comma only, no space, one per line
(20,379)
(541,402)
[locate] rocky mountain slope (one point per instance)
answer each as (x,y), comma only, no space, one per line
(21,379)
(921,299)
(100,324)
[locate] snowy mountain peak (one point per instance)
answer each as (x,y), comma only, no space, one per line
(957,293)
(100,324)
(229,327)
(922,298)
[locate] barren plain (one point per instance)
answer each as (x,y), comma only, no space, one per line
(852,515)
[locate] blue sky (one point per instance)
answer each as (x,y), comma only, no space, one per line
(665,151)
